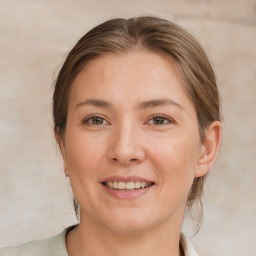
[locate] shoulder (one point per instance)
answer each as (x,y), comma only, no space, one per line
(187,246)
(54,246)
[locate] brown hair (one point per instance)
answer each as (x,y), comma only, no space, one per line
(152,34)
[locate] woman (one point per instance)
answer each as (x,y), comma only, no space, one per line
(137,119)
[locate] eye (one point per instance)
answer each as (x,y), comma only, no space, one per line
(95,120)
(160,120)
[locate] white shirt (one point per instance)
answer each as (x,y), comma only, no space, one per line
(187,246)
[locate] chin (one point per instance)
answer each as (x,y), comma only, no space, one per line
(128,222)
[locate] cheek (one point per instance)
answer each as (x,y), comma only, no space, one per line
(176,160)
(84,161)
(84,153)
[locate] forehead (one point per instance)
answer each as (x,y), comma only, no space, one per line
(137,75)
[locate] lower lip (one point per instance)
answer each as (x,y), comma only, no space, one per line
(127,194)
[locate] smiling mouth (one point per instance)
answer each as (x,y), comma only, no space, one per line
(131,185)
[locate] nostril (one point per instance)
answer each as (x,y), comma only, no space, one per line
(114,159)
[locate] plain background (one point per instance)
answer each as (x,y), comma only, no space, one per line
(35,199)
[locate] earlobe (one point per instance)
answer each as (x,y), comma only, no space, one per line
(209,149)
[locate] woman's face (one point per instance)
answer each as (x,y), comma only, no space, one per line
(132,145)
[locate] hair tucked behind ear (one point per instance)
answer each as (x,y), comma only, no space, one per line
(194,202)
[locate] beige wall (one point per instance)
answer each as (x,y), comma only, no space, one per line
(35,200)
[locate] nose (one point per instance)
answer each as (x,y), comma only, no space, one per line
(126,146)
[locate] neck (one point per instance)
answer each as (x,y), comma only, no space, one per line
(88,239)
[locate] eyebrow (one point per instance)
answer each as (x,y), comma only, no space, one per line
(95,102)
(142,105)
(159,102)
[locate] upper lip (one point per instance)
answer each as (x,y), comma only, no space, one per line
(125,179)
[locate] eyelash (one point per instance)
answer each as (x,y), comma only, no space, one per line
(89,118)
(164,117)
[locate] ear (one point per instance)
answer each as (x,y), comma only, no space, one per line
(61,144)
(209,149)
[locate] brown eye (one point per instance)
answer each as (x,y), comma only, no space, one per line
(97,120)
(159,120)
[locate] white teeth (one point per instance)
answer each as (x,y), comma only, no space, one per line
(120,185)
(111,185)
(137,184)
(115,185)
(129,185)
(143,184)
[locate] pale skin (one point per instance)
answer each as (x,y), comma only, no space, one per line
(130,118)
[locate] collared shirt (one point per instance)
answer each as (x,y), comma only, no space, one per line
(56,246)
(187,246)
